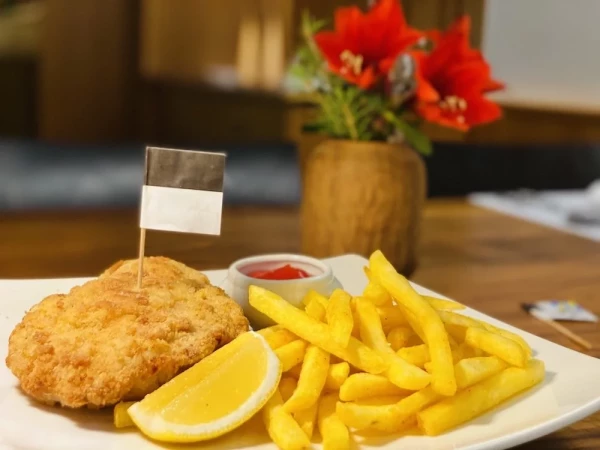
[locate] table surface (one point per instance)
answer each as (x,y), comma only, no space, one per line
(487,260)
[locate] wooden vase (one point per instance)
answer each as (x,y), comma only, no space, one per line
(362,196)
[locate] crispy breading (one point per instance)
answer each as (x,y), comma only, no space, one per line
(107,341)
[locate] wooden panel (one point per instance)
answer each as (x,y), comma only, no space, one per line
(17,91)
(428,14)
(87,71)
(537,126)
(182,39)
(188,113)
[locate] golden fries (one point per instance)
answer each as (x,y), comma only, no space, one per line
(389,361)
(417,355)
(391,317)
(316,310)
(398,337)
(277,336)
(311,381)
(377,294)
(427,318)
(339,317)
(294,372)
(317,333)
(390,418)
(307,418)
(399,372)
(473,402)
(287,386)
(121,417)
(509,335)
(365,385)
(291,354)
(314,295)
(337,375)
(334,433)
(281,426)
(442,304)
(494,344)
(386,418)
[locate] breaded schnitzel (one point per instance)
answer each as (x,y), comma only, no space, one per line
(107,341)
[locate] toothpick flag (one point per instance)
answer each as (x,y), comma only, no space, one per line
(183,191)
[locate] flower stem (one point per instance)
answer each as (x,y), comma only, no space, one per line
(350,122)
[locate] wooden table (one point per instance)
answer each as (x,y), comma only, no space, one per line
(490,261)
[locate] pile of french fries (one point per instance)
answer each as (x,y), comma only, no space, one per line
(387,362)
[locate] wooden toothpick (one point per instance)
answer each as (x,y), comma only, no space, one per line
(141,257)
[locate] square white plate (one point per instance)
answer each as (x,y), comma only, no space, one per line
(570,392)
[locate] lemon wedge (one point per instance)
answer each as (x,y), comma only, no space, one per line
(213,397)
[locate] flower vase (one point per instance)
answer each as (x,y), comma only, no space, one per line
(359,197)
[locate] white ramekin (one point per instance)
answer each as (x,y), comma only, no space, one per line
(237,282)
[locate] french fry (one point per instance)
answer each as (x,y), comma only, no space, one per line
(435,335)
(497,345)
(509,335)
(470,371)
(287,386)
(311,381)
(391,418)
(334,433)
(480,398)
(317,333)
(355,318)
(314,295)
(398,337)
(277,336)
(339,317)
(360,386)
(316,310)
(294,372)
(456,331)
(417,355)
(376,294)
(413,323)
(307,418)
(291,354)
(399,372)
(386,418)
(380,401)
(442,304)
(454,321)
(463,351)
(337,375)
(391,317)
(121,417)
(281,426)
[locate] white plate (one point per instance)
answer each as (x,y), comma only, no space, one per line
(570,392)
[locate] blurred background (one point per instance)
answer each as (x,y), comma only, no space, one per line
(86,84)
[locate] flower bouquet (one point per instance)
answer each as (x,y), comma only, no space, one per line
(375,80)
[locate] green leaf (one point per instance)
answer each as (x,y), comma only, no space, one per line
(419,141)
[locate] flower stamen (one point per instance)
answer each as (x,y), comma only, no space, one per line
(351,62)
(453,103)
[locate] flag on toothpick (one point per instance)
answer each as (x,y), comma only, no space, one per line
(183,191)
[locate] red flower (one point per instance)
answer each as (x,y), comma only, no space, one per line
(452,81)
(363,47)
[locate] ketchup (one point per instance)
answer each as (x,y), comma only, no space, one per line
(287,272)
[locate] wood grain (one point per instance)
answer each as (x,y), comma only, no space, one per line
(378,208)
(489,261)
